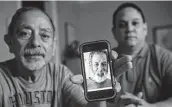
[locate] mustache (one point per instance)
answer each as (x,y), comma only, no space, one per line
(128,37)
(102,71)
(33,51)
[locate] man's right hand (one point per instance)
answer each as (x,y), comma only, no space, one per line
(121,65)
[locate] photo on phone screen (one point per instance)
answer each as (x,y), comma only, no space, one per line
(97,70)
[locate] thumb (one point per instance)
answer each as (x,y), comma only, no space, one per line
(140,95)
(117,86)
(77,79)
(114,55)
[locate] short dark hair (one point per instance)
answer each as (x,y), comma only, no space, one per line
(125,5)
(21,11)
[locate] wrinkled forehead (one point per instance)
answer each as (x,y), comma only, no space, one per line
(129,13)
(99,57)
(34,17)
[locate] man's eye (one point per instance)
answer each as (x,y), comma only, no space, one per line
(45,36)
(96,64)
(135,23)
(104,64)
(122,25)
(24,35)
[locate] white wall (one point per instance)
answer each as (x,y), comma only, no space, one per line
(96,18)
(7,9)
(67,12)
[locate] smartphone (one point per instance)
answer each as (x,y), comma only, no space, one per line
(97,70)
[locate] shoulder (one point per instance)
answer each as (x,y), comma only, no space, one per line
(164,59)
(5,67)
(161,50)
(7,63)
(5,74)
(162,54)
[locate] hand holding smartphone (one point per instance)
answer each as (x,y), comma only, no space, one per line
(97,70)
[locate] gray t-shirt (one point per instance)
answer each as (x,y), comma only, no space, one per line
(91,84)
(52,89)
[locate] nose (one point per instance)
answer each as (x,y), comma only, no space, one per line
(35,41)
(100,67)
(129,28)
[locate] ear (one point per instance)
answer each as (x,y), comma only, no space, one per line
(145,29)
(113,31)
(89,61)
(90,64)
(54,46)
(8,40)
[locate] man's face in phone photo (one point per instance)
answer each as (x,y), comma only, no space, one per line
(99,66)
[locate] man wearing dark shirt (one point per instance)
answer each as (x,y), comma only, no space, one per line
(149,82)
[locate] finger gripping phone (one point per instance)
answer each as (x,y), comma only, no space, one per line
(97,70)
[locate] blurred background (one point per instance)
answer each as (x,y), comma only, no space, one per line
(82,21)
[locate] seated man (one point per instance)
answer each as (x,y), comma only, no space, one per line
(99,70)
(31,79)
(149,82)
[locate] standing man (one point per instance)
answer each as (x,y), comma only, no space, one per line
(149,82)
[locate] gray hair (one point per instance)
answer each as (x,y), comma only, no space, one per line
(21,11)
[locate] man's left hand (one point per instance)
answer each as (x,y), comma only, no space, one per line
(136,100)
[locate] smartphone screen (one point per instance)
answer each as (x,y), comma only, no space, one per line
(97,70)
(97,73)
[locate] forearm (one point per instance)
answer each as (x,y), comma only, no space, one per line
(165,103)
(97,104)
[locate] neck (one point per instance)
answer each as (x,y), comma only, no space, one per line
(130,50)
(27,74)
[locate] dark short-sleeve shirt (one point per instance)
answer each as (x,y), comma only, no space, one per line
(151,74)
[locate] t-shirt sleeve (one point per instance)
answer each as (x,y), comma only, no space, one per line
(166,72)
(73,94)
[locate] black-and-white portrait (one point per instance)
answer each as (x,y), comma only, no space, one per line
(97,70)
(40,63)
